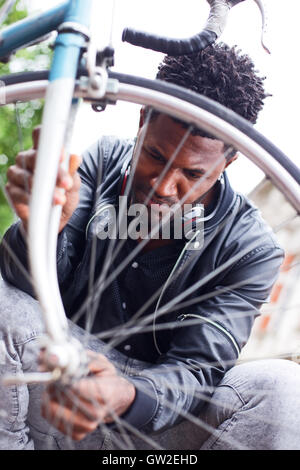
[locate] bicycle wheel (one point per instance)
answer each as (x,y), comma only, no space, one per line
(196,112)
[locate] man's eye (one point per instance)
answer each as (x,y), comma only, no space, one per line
(156,157)
(194,175)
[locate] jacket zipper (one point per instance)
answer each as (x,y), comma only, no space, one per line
(216,325)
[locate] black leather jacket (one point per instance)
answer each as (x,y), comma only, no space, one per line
(235,271)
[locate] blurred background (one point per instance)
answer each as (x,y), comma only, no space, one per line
(278,121)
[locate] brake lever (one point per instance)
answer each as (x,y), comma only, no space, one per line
(262,9)
(218,10)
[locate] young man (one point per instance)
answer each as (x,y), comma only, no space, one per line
(176,385)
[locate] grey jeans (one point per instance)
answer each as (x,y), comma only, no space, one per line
(256,405)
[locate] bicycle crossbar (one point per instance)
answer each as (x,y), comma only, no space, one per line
(31,29)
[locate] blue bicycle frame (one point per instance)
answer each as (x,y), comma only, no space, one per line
(33,28)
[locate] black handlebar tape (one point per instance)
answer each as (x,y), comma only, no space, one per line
(168,46)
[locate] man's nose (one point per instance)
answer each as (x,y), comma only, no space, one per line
(167,186)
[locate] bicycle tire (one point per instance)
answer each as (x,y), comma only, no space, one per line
(173,91)
(194,98)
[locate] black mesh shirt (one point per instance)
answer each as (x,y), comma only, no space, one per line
(127,294)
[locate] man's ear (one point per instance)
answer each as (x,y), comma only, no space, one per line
(142,118)
(232,159)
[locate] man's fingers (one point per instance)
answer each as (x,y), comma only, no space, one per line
(22,212)
(35,136)
(19,177)
(98,363)
(65,419)
(20,180)
(72,420)
(74,163)
(21,174)
(20,184)
(19,199)
(47,361)
(64,180)
(17,195)
(26,160)
(59,197)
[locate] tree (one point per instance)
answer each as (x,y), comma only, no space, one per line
(17,121)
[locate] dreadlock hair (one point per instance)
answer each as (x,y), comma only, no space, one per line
(221,73)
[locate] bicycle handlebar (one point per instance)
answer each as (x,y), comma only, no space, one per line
(213,29)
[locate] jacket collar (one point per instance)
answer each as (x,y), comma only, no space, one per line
(222,206)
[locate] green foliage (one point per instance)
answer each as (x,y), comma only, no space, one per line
(18,121)
(6,215)
(17,13)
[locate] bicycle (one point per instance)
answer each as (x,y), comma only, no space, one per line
(80,71)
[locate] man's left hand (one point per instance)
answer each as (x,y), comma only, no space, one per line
(79,409)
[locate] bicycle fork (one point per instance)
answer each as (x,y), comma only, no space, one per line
(44,217)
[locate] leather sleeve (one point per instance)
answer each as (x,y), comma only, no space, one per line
(205,344)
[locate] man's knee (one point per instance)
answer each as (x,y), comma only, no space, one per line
(274,381)
(256,406)
(20,314)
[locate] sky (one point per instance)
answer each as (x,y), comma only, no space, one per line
(278,121)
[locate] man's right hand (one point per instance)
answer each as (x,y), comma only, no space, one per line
(20,179)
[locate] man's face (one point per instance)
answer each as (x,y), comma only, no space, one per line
(198,156)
